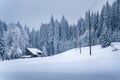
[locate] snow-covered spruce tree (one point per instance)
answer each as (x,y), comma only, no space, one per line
(95,28)
(56,36)
(37,38)
(73,35)
(71,31)
(64,27)
(115,20)
(27,32)
(85,36)
(80,31)
(118,13)
(100,25)
(3,28)
(2,49)
(51,36)
(106,30)
(114,16)
(44,37)
(33,38)
(81,26)
(105,41)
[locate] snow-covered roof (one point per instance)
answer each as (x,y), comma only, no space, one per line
(35,51)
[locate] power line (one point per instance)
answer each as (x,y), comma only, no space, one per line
(90,7)
(93,4)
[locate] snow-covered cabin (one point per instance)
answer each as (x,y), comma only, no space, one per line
(32,52)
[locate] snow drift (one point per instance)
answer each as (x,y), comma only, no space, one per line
(104,64)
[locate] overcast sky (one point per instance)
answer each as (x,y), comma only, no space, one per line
(35,12)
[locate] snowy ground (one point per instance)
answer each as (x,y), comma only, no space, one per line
(104,64)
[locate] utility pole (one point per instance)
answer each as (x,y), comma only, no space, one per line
(80,39)
(80,45)
(90,34)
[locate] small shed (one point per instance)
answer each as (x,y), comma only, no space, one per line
(32,52)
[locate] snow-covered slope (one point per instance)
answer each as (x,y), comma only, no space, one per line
(104,64)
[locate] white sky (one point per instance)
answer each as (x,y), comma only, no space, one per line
(35,12)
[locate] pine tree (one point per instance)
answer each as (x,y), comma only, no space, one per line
(106,34)
(105,42)
(3,28)
(56,36)
(101,21)
(2,49)
(86,35)
(64,26)
(80,32)
(51,36)
(95,28)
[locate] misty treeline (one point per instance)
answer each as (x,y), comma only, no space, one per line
(59,36)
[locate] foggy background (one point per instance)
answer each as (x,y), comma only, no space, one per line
(35,12)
